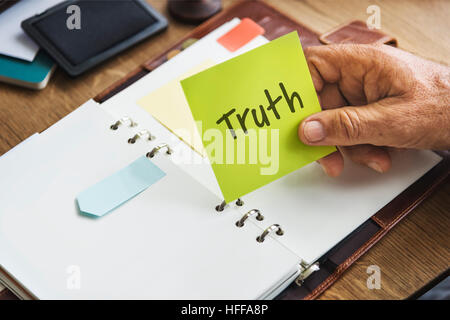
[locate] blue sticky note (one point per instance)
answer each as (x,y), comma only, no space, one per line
(118,188)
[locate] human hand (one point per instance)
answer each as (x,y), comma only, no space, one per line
(375,97)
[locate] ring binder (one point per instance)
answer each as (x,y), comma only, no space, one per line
(273,228)
(306,271)
(156,149)
(141,134)
(124,120)
(220,207)
(252,212)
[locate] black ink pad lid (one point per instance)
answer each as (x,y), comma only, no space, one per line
(107,27)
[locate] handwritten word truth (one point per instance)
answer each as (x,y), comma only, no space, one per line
(260,117)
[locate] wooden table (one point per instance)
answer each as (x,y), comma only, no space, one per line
(414,253)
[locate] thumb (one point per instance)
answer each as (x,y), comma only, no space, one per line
(371,124)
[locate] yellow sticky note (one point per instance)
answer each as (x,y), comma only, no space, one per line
(169,106)
(250,108)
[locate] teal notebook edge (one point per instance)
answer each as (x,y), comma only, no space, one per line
(34,74)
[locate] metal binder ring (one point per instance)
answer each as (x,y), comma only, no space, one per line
(124,120)
(222,206)
(273,228)
(252,212)
(140,134)
(156,149)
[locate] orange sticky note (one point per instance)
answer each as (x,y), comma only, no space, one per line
(240,35)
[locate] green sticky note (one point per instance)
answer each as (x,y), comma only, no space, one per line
(248,110)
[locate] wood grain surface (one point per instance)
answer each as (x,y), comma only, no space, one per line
(414,253)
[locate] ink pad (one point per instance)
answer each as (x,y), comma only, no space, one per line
(103,28)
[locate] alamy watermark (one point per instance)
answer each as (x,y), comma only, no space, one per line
(73,21)
(73,281)
(374,20)
(374,279)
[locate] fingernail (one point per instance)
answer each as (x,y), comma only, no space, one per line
(375,166)
(314,131)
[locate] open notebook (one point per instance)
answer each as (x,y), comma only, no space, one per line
(169,241)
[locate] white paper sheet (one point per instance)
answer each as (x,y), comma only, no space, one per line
(317,212)
(13,40)
(167,243)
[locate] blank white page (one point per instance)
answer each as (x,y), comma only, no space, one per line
(12,164)
(317,211)
(167,242)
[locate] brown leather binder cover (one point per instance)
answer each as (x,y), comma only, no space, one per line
(337,260)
